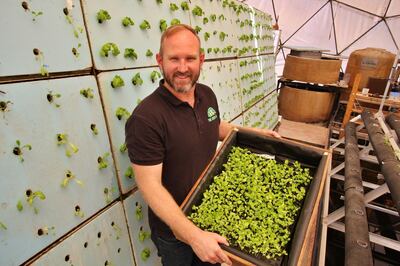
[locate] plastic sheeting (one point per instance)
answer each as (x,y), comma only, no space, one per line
(338,26)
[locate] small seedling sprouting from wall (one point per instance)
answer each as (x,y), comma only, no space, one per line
(143,235)
(70,148)
(117,229)
(94,129)
(122,113)
(40,58)
(3,226)
(129,173)
(18,150)
(117,82)
(127,21)
(5,107)
(30,199)
(154,76)
(44,231)
(51,97)
(103,15)
(138,211)
(145,254)
(109,47)
(137,80)
(87,93)
(69,176)
(78,212)
(108,194)
(102,161)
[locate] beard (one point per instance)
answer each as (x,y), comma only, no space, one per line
(181,86)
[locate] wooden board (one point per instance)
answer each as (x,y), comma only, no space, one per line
(307,133)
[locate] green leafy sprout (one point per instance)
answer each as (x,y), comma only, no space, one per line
(197,11)
(30,199)
(109,47)
(145,25)
(163,25)
(94,129)
(175,21)
(127,21)
(121,113)
(102,161)
(123,148)
(69,176)
(222,36)
(87,93)
(5,106)
(253,202)
(130,53)
(206,36)
(137,80)
(70,148)
(149,53)
(78,212)
(138,211)
(102,15)
(40,57)
(205,20)
(18,150)
(51,98)
(145,254)
(117,82)
(117,229)
(3,226)
(185,6)
(129,173)
(154,76)
(173,7)
(213,17)
(197,29)
(108,194)
(143,235)
(36,14)
(159,2)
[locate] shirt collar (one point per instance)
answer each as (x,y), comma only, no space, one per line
(171,98)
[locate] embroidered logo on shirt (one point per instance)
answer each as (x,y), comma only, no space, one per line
(212,114)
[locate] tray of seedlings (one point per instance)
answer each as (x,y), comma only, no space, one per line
(259,193)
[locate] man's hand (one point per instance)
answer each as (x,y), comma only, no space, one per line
(206,246)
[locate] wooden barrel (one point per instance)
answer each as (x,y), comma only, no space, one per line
(312,70)
(370,62)
(307,106)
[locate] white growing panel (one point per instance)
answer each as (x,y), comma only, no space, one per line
(238,121)
(103,241)
(252,82)
(272,109)
(216,22)
(221,76)
(268,70)
(127,97)
(257,115)
(136,211)
(263,29)
(44,26)
(112,31)
(245,31)
(30,118)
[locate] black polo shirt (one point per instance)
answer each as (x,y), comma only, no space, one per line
(163,129)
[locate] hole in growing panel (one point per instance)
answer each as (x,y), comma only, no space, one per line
(119,250)
(40,231)
(28,192)
(99,234)
(67,258)
(85,244)
(36,51)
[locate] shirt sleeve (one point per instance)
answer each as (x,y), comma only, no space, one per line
(144,141)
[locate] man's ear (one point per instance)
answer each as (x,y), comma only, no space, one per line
(202,57)
(159,59)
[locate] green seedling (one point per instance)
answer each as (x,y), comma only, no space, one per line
(102,15)
(154,76)
(123,148)
(173,7)
(143,235)
(221,17)
(102,161)
(206,36)
(216,50)
(129,173)
(30,199)
(149,53)
(122,113)
(76,29)
(209,50)
(159,2)
(117,229)
(94,129)
(78,212)
(222,36)
(145,254)
(87,93)
(138,101)
(145,25)
(137,80)
(138,211)
(5,107)
(40,57)
(75,51)
(108,194)
(68,177)
(46,230)
(197,29)
(205,20)
(18,150)
(197,11)
(3,226)
(70,148)
(185,6)
(117,82)
(130,53)
(127,21)
(163,25)
(109,47)
(175,21)
(36,14)
(213,17)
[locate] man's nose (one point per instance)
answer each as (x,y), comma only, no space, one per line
(182,66)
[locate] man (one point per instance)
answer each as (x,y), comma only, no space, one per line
(171,137)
